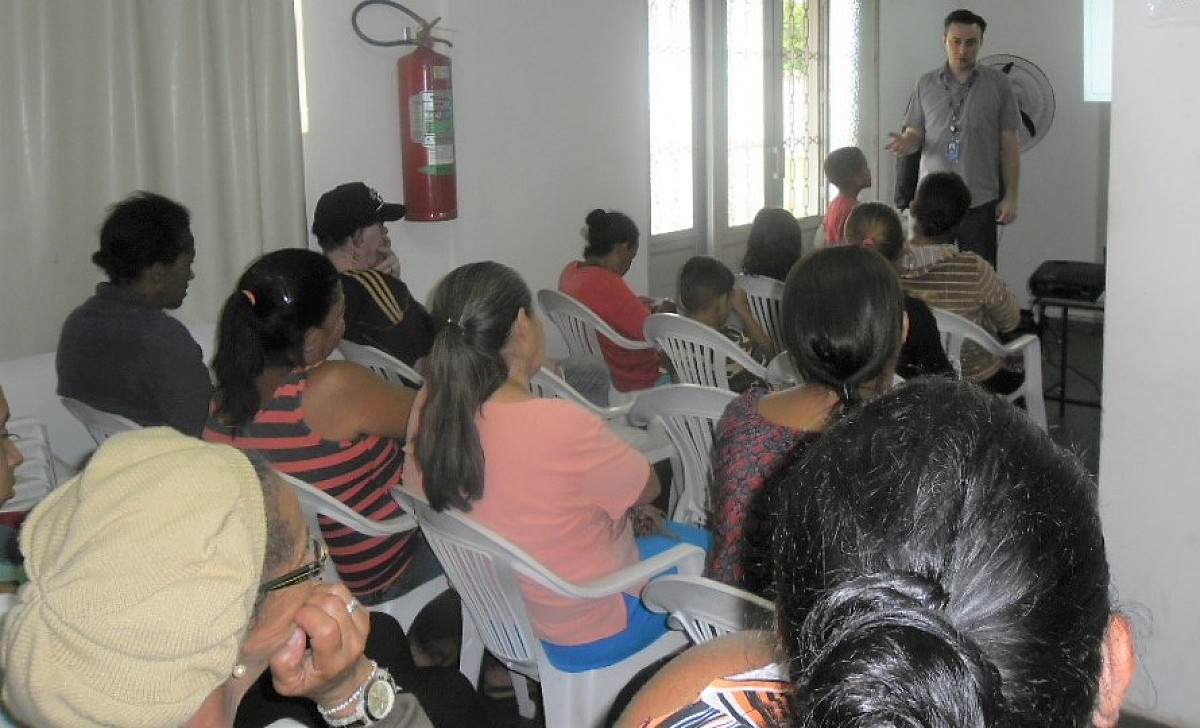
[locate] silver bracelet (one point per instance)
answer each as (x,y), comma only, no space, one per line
(327,714)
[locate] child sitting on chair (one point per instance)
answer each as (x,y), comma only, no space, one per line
(707,295)
(876,225)
(846,169)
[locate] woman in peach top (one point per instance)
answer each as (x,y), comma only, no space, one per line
(543,473)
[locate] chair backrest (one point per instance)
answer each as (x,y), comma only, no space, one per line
(698,353)
(765,296)
(580,326)
(955,329)
(689,414)
(704,608)
(100,425)
(382,363)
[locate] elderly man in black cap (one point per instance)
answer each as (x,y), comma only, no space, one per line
(349,223)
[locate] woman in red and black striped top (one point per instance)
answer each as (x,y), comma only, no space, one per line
(333,424)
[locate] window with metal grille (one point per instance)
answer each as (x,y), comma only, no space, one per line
(743,110)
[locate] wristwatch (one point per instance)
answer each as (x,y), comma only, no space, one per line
(373,702)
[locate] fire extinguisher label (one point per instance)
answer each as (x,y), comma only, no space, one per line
(431,115)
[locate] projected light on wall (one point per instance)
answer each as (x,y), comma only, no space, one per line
(1097,50)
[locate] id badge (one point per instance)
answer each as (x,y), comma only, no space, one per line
(952,150)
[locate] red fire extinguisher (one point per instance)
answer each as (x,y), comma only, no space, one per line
(427,133)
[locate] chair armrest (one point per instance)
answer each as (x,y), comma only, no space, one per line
(559,387)
(390,527)
(366,526)
(739,356)
(351,518)
(1019,344)
(623,342)
(689,559)
(324,504)
(615,412)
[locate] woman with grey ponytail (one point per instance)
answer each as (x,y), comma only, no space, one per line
(544,473)
(843,323)
(927,577)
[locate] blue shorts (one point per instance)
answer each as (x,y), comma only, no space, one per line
(644,626)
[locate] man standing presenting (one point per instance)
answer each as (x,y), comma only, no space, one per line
(963,118)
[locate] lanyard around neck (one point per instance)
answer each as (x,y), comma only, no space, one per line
(957,99)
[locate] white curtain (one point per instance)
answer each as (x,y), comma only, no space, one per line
(194,99)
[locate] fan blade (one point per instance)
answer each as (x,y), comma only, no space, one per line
(1028,122)
(1008,67)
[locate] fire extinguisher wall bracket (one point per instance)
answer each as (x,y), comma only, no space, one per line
(427,135)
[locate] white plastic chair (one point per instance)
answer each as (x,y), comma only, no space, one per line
(382,363)
(698,353)
(812,233)
(689,414)
(314,502)
(704,608)
(484,568)
(100,425)
(37,475)
(766,299)
(581,328)
(955,330)
(651,442)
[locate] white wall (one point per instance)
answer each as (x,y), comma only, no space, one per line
(1062,178)
(550,113)
(1149,459)
(550,122)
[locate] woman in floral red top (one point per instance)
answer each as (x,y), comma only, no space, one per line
(843,322)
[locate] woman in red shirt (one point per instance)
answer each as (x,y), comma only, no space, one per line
(597,282)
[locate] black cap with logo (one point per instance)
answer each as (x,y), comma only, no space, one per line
(350,207)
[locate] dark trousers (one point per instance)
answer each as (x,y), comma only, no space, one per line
(977,233)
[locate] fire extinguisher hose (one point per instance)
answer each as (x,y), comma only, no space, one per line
(424,35)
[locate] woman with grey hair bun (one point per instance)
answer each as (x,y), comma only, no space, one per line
(164,580)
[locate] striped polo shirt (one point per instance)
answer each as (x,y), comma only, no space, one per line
(359,472)
(965,284)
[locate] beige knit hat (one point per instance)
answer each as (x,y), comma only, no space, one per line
(143,573)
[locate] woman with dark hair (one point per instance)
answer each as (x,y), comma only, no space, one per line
(843,322)
(598,282)
(544,473)
(773,245)
(876,225)
(926,577)
(334,424)
(119,351)
(933,269)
